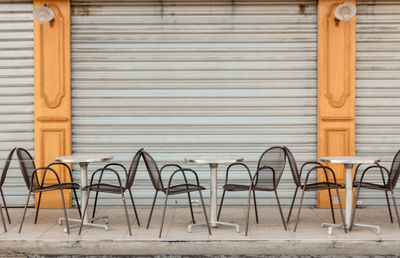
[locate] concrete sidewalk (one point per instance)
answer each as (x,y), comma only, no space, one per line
(266,238)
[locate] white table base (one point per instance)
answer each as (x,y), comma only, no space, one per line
(349,205)
(84,195)
(214,203)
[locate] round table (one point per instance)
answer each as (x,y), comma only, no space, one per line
(349,162)
(84,160)
(213,161)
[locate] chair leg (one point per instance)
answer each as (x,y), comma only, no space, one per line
(77,203)
(26,207)
(298,212)
(126,213)
(163,216)
(134,207)
(38,207)
(255,205)
(280,210)
(395,207)
(341,210)
(291,206)
(248,212)
(388,205)
(220,205)
(84,211)
(330,200)
(205,213)
(151,211)
(5,205)
(191,208)
(354,209)
(65,210)
(2,219)
(95,204)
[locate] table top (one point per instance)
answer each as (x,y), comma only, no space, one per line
(83,158)
(350,159)
(213,159)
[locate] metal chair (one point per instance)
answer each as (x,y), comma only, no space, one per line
(389,185)
(156,179)
(114,189)
(327,185)
(30,174)
(2,179)
(269,172)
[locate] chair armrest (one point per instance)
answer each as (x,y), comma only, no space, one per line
(176,166)
(254,181)
(326,169)
(102,170)
(117,165)
(309,163)
(237,164)
(183,170)
(381,168)
(34,174)
(64,165)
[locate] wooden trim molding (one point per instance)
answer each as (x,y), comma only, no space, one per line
(336,89)
(52,91)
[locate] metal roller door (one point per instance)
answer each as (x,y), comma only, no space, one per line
(378,86)
(182,78)
(16,94)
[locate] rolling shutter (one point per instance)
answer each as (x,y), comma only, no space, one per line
(183,78)
(378,86)
(16,94)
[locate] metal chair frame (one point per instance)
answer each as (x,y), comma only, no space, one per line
(327,185)
(388,185)
(35,187)
(275,181)
(3,177)
(159,187)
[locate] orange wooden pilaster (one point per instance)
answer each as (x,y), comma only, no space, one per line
(336,89)
(52,90)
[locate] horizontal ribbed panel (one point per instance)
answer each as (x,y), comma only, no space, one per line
(16,94)
(378,86)
(186,78)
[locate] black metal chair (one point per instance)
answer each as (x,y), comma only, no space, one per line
(114,189)
(269,172)
(31,177)
(3,178)
(156,179)
(327,185)
(386,186)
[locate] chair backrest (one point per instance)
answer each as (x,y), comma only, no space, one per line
(6,166)
(394,170)
(275,158)
(26,164)
(133,169)
(154,171)
(293,166)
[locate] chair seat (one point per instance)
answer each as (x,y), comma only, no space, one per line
(183,188)
(235,187)
(57,186)
(370,185)
(322,186)
(105,188)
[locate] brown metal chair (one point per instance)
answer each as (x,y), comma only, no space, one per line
(389,185)
(114,189)
(269,172)
(3,178)
(156,179)
(29,172)
(327,185)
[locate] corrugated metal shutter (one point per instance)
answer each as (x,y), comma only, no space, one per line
(181,78)
(378,85)
(16,94)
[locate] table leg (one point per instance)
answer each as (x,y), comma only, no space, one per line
(214,203)
(213,193)
(84,194)
(349,193)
